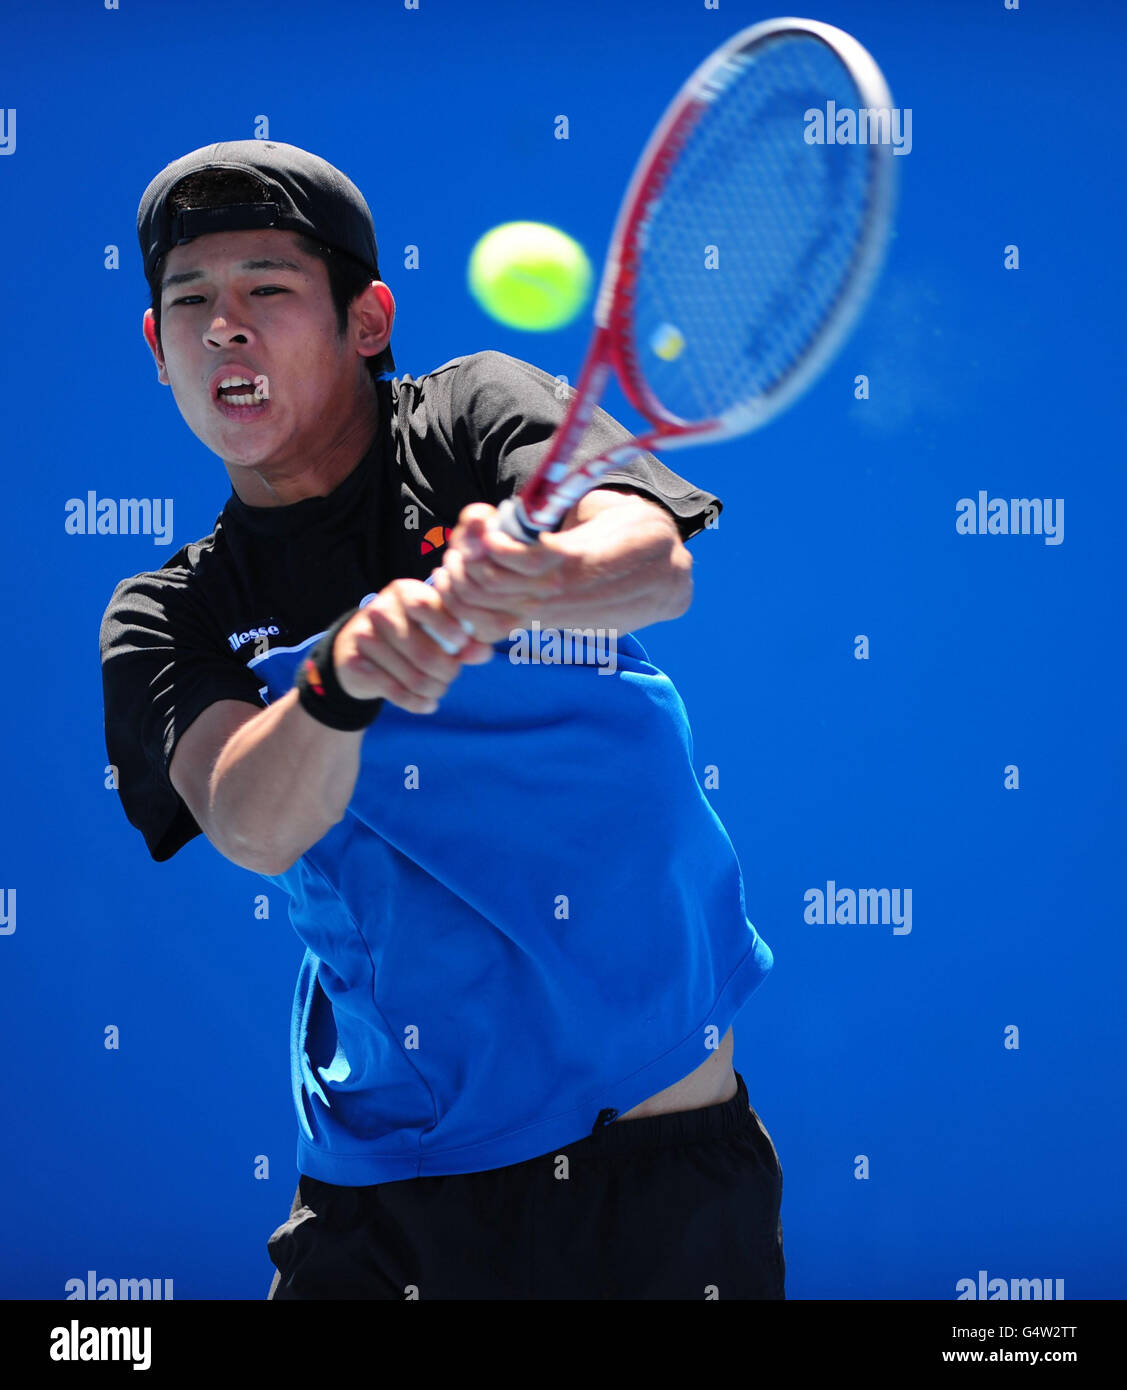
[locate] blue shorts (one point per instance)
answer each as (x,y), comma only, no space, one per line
(677,1206)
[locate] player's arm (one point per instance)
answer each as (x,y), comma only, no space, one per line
(618,563)
(265,785)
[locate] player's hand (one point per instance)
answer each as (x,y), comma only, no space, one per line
(492,581)
(386,649)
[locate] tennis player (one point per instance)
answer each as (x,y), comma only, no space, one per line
(511,1040)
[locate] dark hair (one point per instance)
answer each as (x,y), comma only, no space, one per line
(212,188)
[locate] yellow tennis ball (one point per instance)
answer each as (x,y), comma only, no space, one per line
(529,275)
(668,342)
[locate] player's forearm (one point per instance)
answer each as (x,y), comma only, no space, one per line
(282,781)
(625,568)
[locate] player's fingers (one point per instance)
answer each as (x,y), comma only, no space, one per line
(478,536)
(382,659)
(430,619)
(475,519)
(424,605)
(454,601)
(399,646)
(366,678)
(513,555)
(489,624)
(477,540)
(487,585)
(406,699)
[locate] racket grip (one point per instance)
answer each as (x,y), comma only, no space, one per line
(511,520)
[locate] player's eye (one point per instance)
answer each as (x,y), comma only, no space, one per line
(261,289)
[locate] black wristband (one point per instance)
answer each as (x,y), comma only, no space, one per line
(319,692)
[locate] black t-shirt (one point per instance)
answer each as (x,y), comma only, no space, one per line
(177,639)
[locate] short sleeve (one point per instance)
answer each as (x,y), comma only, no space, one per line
(160,670)
(505,411)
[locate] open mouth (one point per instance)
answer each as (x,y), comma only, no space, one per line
(237,394)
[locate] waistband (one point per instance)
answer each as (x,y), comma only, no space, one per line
(676,1127)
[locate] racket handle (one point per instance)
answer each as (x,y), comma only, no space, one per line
(512,520)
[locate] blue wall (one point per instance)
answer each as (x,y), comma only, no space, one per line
(985,651)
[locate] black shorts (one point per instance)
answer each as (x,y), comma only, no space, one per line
(676,1206)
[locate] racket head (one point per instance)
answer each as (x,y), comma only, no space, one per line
(798,231)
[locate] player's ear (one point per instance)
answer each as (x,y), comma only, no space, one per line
(373,314)
(149,329)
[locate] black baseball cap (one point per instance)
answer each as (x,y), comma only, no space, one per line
(299,192)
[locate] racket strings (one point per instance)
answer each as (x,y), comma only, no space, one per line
(753,236)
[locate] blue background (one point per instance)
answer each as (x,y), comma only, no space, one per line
(839,520)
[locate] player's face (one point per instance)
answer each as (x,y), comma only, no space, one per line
(257,307)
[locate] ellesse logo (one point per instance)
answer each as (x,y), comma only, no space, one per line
(238,639)
(436,537)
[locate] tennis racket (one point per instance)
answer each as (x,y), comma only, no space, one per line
(742,254)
